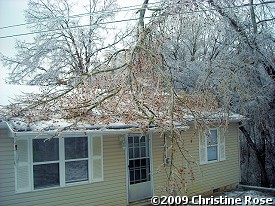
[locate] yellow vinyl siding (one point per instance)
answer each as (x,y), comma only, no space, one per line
(219,174)
(159,176)
(111,191)
(210,176)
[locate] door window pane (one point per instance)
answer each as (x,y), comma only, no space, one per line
(136,155)
(143,174)
(143,151)
(44,151)
(145,162)
(131,153)
(76,147)
(142,139)
(137,163)
(76,171)
(46,175)
(136,139)
(130,141)
(131,164)
(137,176)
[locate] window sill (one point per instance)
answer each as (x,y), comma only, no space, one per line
(62,187)
(76,183)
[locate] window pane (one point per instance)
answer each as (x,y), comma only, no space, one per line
(212,153)
(137,175)
(136,139)
(142,139)
(143,162)
(131,153)
(136,154)
(76,147)
(44,151)
(143,151)
(130,140)
(137,163)
(131,164)
(76,171)
(46,175)
(144,175)
(212,137)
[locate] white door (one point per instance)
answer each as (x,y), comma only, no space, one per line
(139,171)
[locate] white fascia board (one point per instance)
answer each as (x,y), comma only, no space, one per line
(54,133)
(190,122)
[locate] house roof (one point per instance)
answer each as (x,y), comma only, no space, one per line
(17,125)
(9,92)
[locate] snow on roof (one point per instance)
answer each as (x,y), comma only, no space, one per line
(9,92)
(216,116)
(61,124)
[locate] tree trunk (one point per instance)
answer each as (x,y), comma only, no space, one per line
(260,155)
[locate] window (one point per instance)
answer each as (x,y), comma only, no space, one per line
(58,162)
(212,145)
(76,159)
(45,163)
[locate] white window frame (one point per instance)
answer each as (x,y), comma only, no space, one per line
(61,161)
(203,147)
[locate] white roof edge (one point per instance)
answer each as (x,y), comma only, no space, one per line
(15,134)
(4,124)
(231,118)
(216,120)
(75,132)
(104,131)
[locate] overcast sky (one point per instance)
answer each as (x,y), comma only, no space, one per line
(12,13)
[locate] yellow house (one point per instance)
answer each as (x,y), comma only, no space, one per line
(110,166)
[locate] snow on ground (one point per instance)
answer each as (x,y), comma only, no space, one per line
(250,197)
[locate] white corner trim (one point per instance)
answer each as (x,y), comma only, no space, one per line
(3,125)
